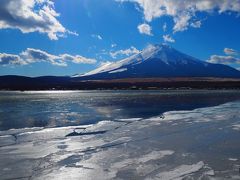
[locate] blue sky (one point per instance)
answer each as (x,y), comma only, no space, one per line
(65,37)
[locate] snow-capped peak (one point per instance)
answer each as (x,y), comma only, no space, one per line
(159,61)
(161,52)
(155,51)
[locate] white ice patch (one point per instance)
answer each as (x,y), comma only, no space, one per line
(180,172)
(232,159)
(154,155)
(209,114)
(236,127)
(17,131)
(210,173)
(130,148)
(129,119)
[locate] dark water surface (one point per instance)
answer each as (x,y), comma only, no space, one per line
(67,108)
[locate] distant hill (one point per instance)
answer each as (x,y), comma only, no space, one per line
(68,83)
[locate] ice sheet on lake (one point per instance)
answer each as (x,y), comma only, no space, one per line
(236,127)
(173,145)
(179,172)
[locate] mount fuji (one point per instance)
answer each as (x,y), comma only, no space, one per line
(159,61)
(158,66)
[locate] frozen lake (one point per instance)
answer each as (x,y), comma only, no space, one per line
(120,135)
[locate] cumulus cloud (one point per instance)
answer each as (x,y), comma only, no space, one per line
(145,29)
(35,55)
(77,59)
(32,16)
(31,55)
(224,60)
(168,38)
(183,11)
(97,36)
(229,51)
(12,59)
(231,57)
(181,22)
(127,52)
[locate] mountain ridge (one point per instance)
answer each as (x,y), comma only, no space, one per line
(160,61)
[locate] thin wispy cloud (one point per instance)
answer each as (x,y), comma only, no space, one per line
(113,45)
(165,27)
(196,24)
(31,55)
(97,36)
(168,38)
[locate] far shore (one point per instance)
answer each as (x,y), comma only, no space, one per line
(60,83)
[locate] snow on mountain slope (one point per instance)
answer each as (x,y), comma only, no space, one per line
(160,61)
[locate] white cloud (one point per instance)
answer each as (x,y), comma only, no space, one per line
(97,36)
(32,16)
(183,11)
(229,51)
(145,29)
(181,22)
(196,24)
(72,33)
(127,52)
(231,57)
(77,59)
(224,60)
(31,55)
(113,45)
(11,59)
(168,38)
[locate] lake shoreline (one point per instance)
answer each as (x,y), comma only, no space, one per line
(67,83)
